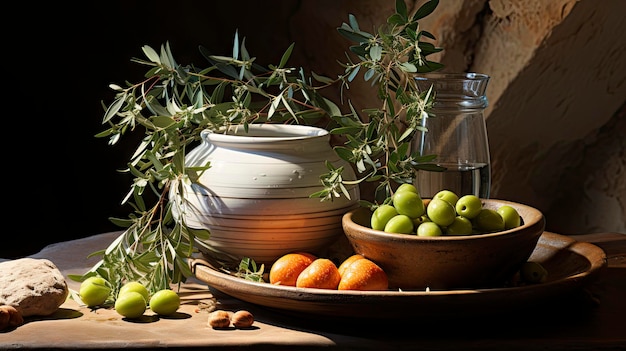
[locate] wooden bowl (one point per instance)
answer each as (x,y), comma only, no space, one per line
(447,262)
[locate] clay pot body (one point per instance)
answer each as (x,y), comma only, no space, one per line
(255,197)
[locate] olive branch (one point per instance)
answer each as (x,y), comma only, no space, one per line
(174,103)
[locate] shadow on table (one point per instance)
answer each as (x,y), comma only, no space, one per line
(61,313)
(578,310)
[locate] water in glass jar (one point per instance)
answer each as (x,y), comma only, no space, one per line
(462,179)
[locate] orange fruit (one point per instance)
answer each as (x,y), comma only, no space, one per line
(286,269)
(363,274)
(321,273)
(348,261)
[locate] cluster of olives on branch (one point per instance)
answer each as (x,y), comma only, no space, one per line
(446,214)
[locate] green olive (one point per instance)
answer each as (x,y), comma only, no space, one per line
(419,220)
(401,224)
(533,272)
(135,286)
(407,187)
(460,226)
(468,206)
(408,203)
(441,212)
(510,215)
(94,291)
(429,229)
(488,221)
(382,214)
(130,304)
(164,302)
(447,195)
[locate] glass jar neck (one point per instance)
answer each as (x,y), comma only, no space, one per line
(455,91)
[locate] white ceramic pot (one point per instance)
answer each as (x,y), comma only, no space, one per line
(254,198)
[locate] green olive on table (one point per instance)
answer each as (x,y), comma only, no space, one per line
(533,272)
(130,304)
(135,286)
(94,291)
(164,302)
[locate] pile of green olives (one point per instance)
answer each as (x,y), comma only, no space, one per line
(445,214)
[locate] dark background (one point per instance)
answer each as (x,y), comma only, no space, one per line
(62,183)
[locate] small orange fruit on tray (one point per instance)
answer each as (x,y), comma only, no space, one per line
(359,273)
(348,261)
(287,268)
(321,274)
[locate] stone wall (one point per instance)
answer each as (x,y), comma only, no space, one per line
(559,69)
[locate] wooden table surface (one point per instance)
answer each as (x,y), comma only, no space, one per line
(593,317)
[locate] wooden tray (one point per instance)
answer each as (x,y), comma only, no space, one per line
(571,265)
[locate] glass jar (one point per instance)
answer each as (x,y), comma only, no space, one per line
(456,134)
